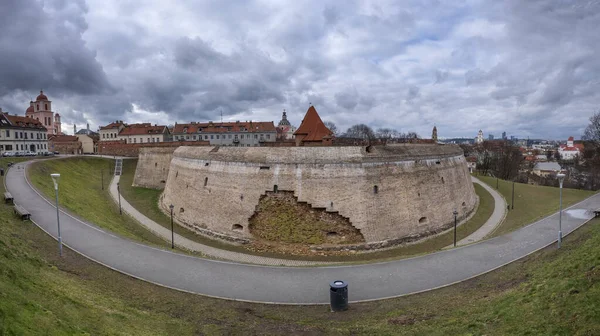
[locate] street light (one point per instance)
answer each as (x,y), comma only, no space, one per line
(102,177)
(119,191)
(55,178)
(172,238)
(455,214)
(496,182)
(512,205)
(561,178)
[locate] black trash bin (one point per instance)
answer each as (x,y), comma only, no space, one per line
(1,171)
(338,295)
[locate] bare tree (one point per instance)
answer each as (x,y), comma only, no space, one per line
(592,131)
(332,127)
(360,131)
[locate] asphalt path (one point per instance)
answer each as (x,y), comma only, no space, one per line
(292,285)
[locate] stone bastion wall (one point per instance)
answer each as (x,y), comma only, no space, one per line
(153,167)
(387,192)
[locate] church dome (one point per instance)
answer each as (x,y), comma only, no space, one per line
(29,109)
(42,96)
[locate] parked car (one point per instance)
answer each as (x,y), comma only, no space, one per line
(8,154)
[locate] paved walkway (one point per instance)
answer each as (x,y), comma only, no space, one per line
(493,222)
(292,285)
(188,244)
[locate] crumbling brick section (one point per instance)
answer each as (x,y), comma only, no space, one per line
(279,217)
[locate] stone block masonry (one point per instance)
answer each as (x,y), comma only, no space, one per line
(153,167)
(120,148)
(387,192)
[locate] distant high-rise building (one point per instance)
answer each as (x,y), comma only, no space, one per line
(503,135)
(512,138)
(490,137)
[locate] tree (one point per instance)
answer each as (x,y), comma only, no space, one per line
(360,131)
(592,131)
(557,155)
(332,127)
(549,155)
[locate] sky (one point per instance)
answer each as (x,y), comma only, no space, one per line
(530,68)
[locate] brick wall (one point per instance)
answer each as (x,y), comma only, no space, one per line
(121,148)
(387,193)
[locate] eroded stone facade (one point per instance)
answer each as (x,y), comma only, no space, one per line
(387,192)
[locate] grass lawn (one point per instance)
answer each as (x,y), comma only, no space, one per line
(80,192)
(531,202)
(146,201)
(552,292)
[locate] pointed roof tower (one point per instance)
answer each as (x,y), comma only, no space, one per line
(434,136)
(284,121)
(312,128)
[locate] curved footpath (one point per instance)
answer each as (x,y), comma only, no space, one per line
(297,285)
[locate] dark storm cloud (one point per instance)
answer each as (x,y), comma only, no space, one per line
(43,51)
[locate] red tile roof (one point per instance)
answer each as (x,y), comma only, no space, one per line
(313,127)
(142,129)
(238,126)
(112,125)
(63,138)
(25,122)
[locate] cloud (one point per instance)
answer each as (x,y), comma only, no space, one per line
(529,68)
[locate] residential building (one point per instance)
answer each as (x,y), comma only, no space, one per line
(89,143)
(312,130)
(570,150)
(545,169)
(111,131)
(285,130)
(238,134)
(143,133)
(22,134)
(65,144)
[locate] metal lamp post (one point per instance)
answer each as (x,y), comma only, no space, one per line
(119,191)
(496,182)
(172,236)
(512,204)
(561,178)
(455,214)
(102,177)
(55,178)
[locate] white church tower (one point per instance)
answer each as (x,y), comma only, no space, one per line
(479,138)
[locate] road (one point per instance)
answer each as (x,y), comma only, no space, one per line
(291,285)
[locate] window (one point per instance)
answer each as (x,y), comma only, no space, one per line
(187,137)
(194,137)
(205,137)
(268,136)
(32,135)
(38,108)
(134,140)
(229,136)
(21,136)
(46,107)
(8,147)
(212,136)
(217,136)
(205,181)
(375,189)
(255,136)
(7,133)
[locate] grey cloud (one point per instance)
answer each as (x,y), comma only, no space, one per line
(347,99)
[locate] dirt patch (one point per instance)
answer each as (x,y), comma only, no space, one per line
(283,224)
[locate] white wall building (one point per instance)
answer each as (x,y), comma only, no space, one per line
(22,134)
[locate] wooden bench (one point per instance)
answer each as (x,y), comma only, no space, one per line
(8,198)
(19,210)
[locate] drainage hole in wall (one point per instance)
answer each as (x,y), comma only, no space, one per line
(181,210)
(423,220)
(237,227)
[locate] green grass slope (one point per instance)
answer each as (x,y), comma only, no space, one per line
(531,202)
(80,192)
(552,292)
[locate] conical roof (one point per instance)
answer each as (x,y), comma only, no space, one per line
(313,127)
